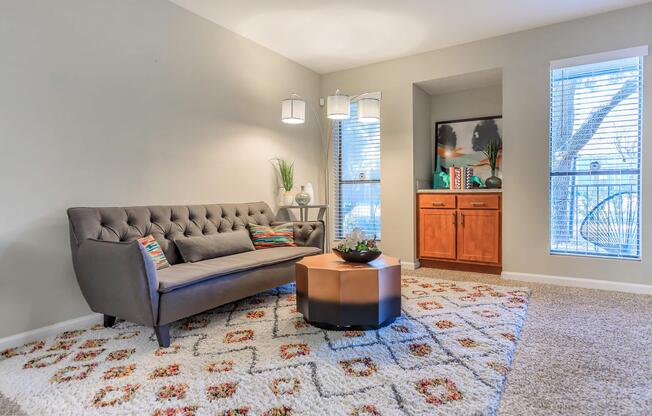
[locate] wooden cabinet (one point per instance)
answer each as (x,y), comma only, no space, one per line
(467,237)
(437,232)
(478,236)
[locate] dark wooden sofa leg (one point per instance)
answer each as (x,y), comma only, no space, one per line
(163,335)
(109,321)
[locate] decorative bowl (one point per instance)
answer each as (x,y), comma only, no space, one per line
(357,256)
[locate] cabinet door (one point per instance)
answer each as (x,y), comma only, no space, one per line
(478,236)
(437,233)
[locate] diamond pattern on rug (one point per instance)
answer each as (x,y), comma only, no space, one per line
(448,353)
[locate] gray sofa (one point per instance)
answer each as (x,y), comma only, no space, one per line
(118,278)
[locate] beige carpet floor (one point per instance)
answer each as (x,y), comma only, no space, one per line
(582,352)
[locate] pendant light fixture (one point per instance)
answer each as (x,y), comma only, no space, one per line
(338,106)
(369,109)
(293,110)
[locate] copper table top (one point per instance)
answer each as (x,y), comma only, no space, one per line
(330,261)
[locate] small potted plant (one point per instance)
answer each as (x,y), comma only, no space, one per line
(285,172)
(492,150)
(356,247)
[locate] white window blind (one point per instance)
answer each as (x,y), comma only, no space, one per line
(356,171)
(595,158)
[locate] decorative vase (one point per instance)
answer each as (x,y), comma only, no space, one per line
(303,197)
(310,191)
(493,181)
(288,198)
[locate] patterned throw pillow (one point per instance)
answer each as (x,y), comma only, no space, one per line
(264,236)
(155,252)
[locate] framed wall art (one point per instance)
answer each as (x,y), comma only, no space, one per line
(462,143)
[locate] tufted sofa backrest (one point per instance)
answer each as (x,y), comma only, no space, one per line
(165,223)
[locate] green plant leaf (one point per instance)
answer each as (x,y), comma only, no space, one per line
(285,171)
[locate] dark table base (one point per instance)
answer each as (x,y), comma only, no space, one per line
(331,327)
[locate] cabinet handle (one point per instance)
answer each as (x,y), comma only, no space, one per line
(437,204)
(462,218)
(454,217)
(478,204)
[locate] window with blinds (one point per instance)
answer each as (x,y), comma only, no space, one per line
(595,158)
(356,171)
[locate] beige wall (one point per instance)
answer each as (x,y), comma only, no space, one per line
(475,102)
(422,132)
(524,58)
(123,103)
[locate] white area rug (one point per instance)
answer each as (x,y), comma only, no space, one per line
(447,355)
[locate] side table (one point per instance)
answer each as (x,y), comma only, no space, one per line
(334,294)
(303,211)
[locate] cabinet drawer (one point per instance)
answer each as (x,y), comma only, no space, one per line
(436,201)
(478,201)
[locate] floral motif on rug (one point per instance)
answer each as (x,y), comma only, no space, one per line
(449,353)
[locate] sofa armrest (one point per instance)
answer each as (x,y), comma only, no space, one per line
(118,279)
(308,233)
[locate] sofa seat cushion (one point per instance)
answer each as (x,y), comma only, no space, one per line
(185,274)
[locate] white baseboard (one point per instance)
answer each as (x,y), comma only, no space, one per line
(410,265)
(580,282)
(47,331)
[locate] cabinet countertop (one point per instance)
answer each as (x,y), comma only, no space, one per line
(459,191)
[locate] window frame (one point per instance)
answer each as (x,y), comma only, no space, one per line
(610,173)
(338,182)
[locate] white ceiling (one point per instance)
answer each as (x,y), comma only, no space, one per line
(330,35)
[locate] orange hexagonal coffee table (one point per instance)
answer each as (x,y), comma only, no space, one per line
(334,294)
